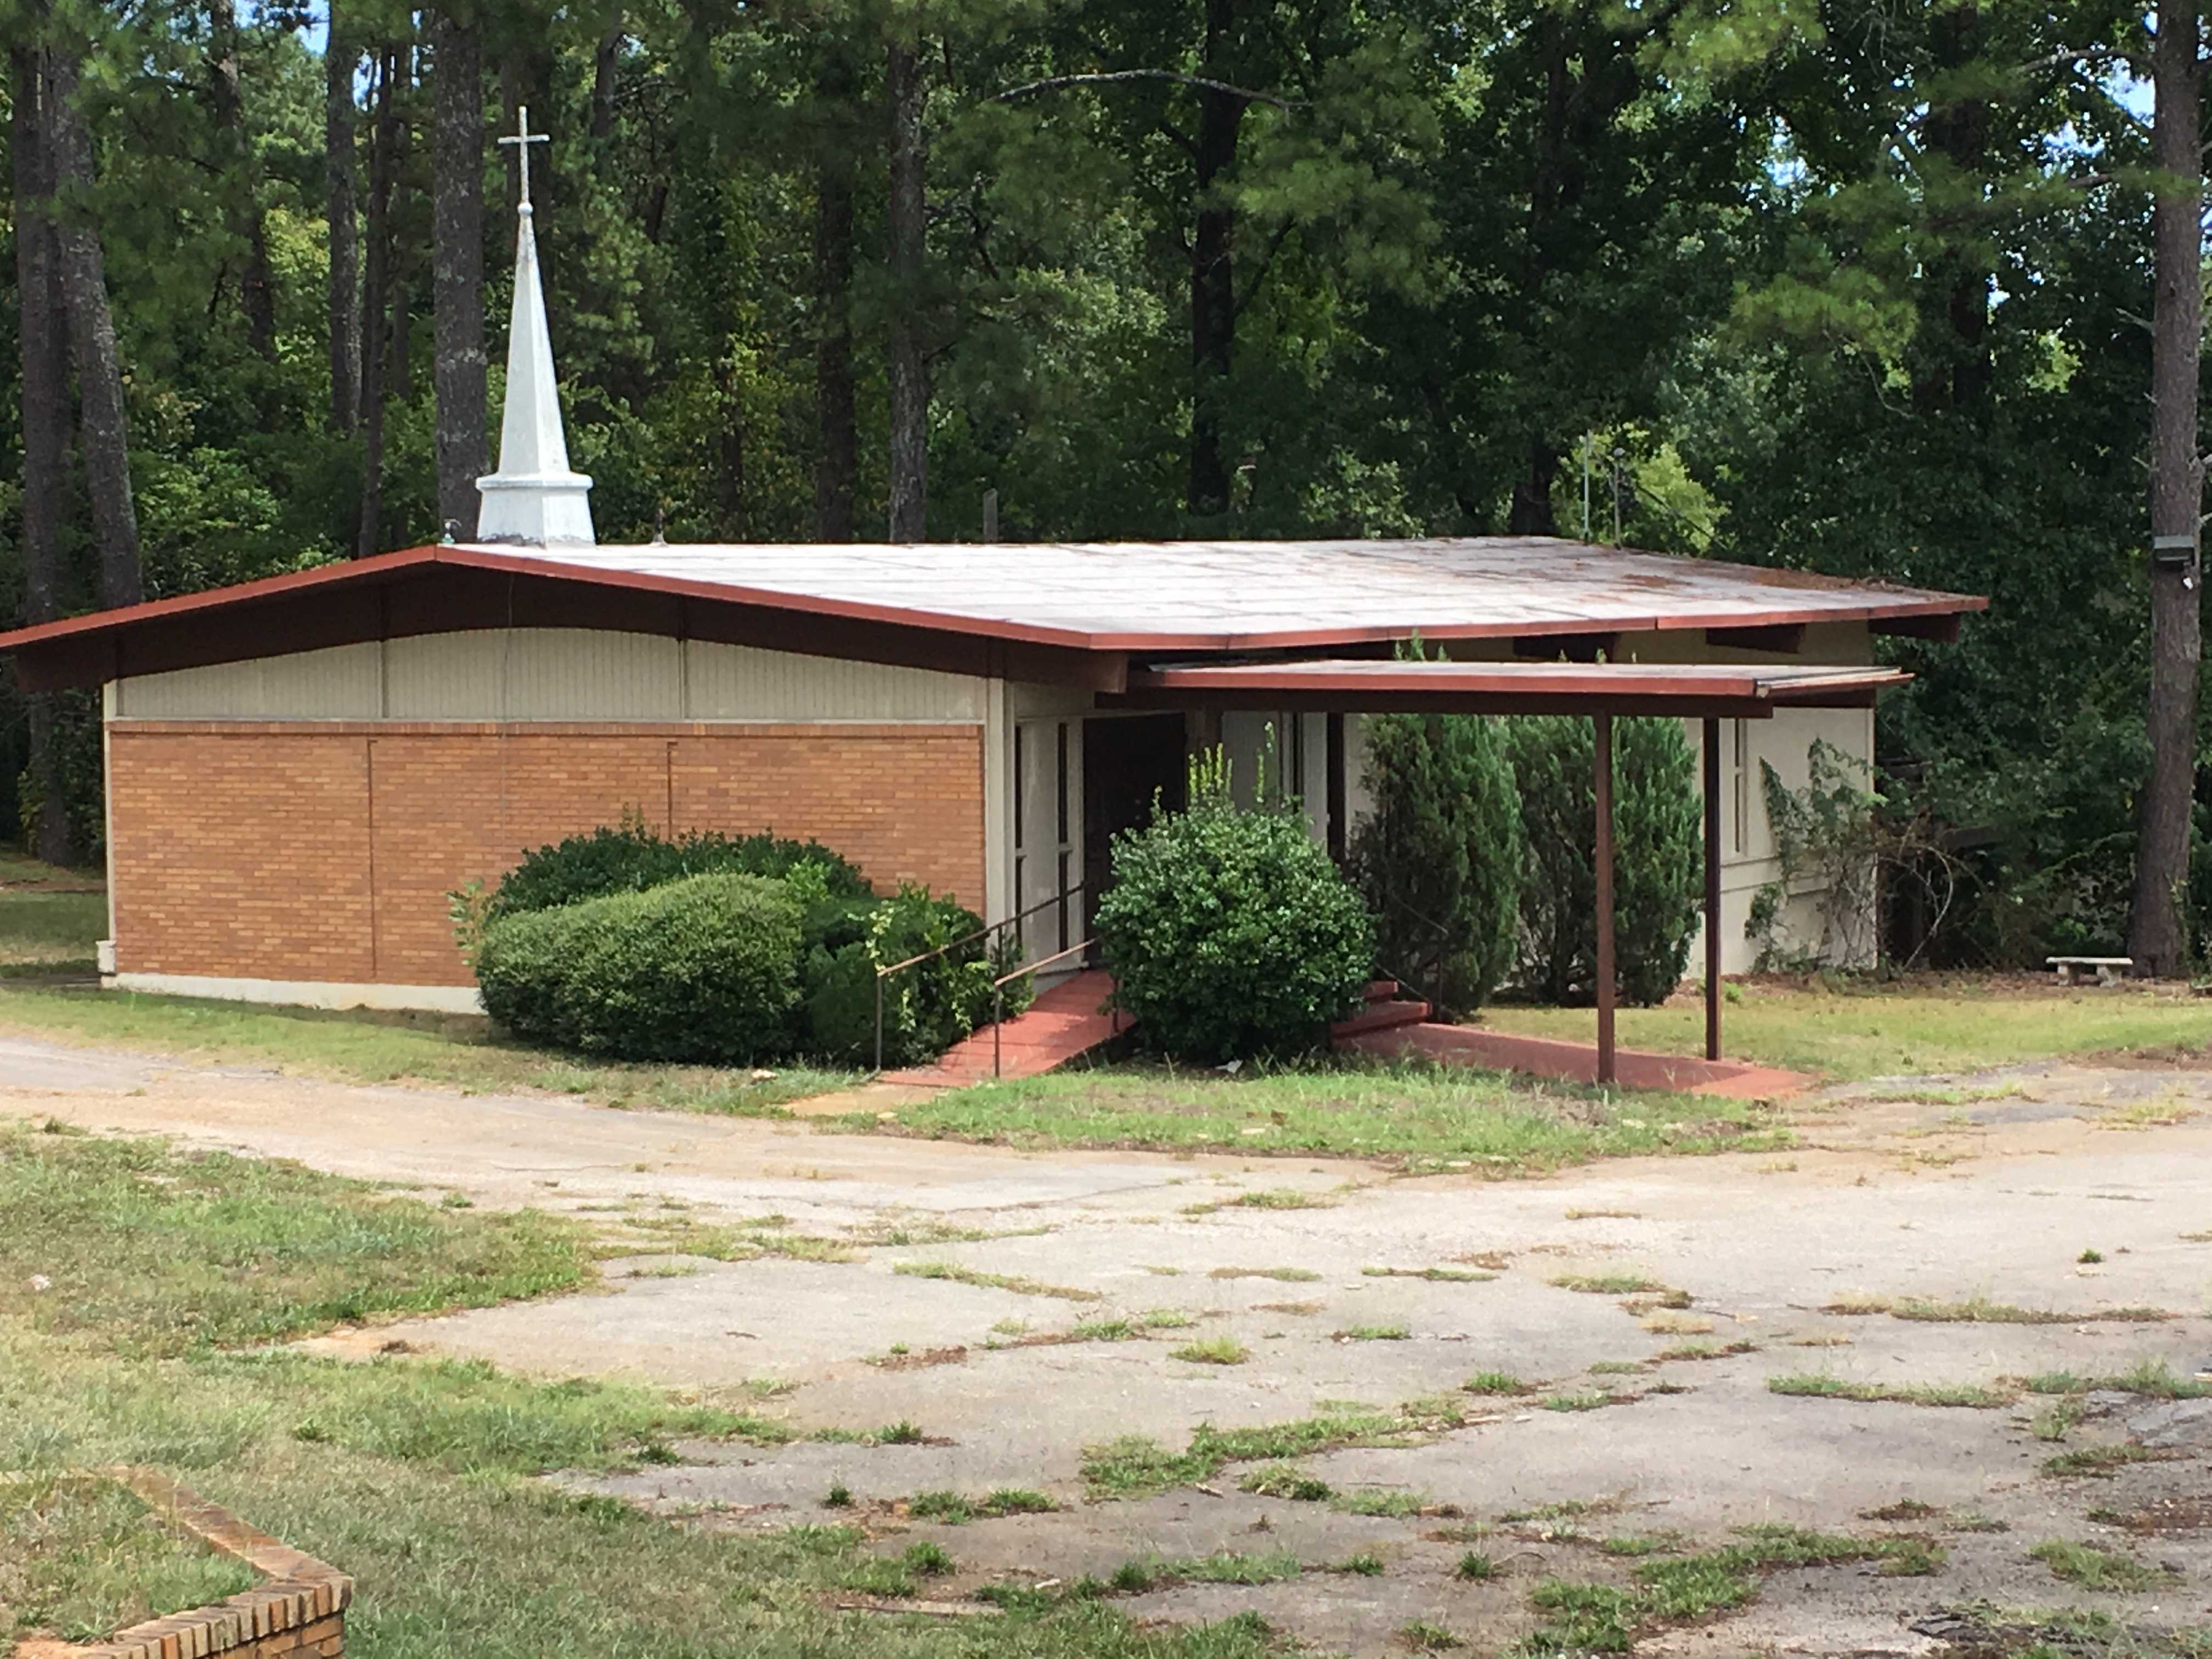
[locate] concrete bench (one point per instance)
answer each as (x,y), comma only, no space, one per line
(2109,968)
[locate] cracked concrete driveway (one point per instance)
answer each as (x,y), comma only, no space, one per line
(1936,1240)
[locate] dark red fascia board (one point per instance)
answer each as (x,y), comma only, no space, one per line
(447,590)
(297,612)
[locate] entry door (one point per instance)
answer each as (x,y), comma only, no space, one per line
(1048,829)
(1128,760)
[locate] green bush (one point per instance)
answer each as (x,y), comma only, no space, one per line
(1439,858)
(702,970)
(926,1008)
(1230,934)
(634,859)
(1657,857)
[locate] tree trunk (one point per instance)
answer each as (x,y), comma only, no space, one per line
(43,333)
(909,216)
(604,62)
(730,454)
(383,157)
(457,269)
(1213,269)
(104,436)
(257,294)
(340,63)
(834,408)
(2158,936)
(1531,512)
(1957,372)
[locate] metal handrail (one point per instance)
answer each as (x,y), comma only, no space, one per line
(984,931)
(998,996)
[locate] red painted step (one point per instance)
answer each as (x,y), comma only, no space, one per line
(1067,1020)
(1380,1014)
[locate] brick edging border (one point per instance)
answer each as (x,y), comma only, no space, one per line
(281,1614)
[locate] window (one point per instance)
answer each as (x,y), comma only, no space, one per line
(1741,802)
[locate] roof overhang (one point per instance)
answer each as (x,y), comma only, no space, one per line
(443,589)
(888,608)
(1689,690)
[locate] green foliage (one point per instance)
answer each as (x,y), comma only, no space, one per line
(704,969)
(1658,852)
(632,858)
(927,1007)
(1439,860)
(1230,933)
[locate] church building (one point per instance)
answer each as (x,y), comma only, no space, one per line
(301,769)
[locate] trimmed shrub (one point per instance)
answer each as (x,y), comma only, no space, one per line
(1439,860)
(1230,934)
(926,1008)
(1658,852)
(703,969)
(634,859)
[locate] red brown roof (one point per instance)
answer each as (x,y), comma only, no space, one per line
(1071,612)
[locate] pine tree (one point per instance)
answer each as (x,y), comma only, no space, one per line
(1439,860)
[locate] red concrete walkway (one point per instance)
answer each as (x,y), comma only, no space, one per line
(1575,1062)
(1066,1020)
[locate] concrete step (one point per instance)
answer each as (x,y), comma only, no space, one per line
(1382,1016)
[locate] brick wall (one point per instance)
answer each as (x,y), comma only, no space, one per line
(297,1609)
(325,850)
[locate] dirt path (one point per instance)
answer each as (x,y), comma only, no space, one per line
(1991,1189)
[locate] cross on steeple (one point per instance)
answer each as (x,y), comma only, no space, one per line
(522,139)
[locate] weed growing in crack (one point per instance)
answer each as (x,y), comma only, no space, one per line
(1212,1351)
(1821,1387)
(2095,1569)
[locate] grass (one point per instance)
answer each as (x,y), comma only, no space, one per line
(1820,1386)
(1923,1024)
(83,1559)
(1391,1502)
(1434,1275)
(1222,1567)
(417,1477)
(1374,1333)
(1212,1351)
(2154,1378)
(50,932)
(1287,1480)
(1501,1382)
(1980,1310)
(955,1509)
(1286,1275)
(1583,1618)
(2099,1462)
(1418,1116)
(2095,1569)
(1137,1466)
(1609,1283)
(156,1250)
(363,1046)
(1272,1198)
(1705,1351)
(1012,1282)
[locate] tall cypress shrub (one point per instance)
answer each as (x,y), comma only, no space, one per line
(1439,860)
(1657,852)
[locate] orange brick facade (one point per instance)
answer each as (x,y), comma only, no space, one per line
(324,850)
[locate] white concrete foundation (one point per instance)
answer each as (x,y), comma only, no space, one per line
(305,993)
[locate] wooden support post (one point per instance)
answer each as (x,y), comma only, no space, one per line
(1601,730)
(1712,745)
(1334,787)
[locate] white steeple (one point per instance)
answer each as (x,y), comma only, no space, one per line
(533,497)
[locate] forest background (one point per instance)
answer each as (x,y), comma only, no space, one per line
(1863,286)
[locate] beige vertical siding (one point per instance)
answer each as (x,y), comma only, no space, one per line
(553,674)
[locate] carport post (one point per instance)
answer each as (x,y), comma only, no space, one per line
(1712,744)
(1601,732)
